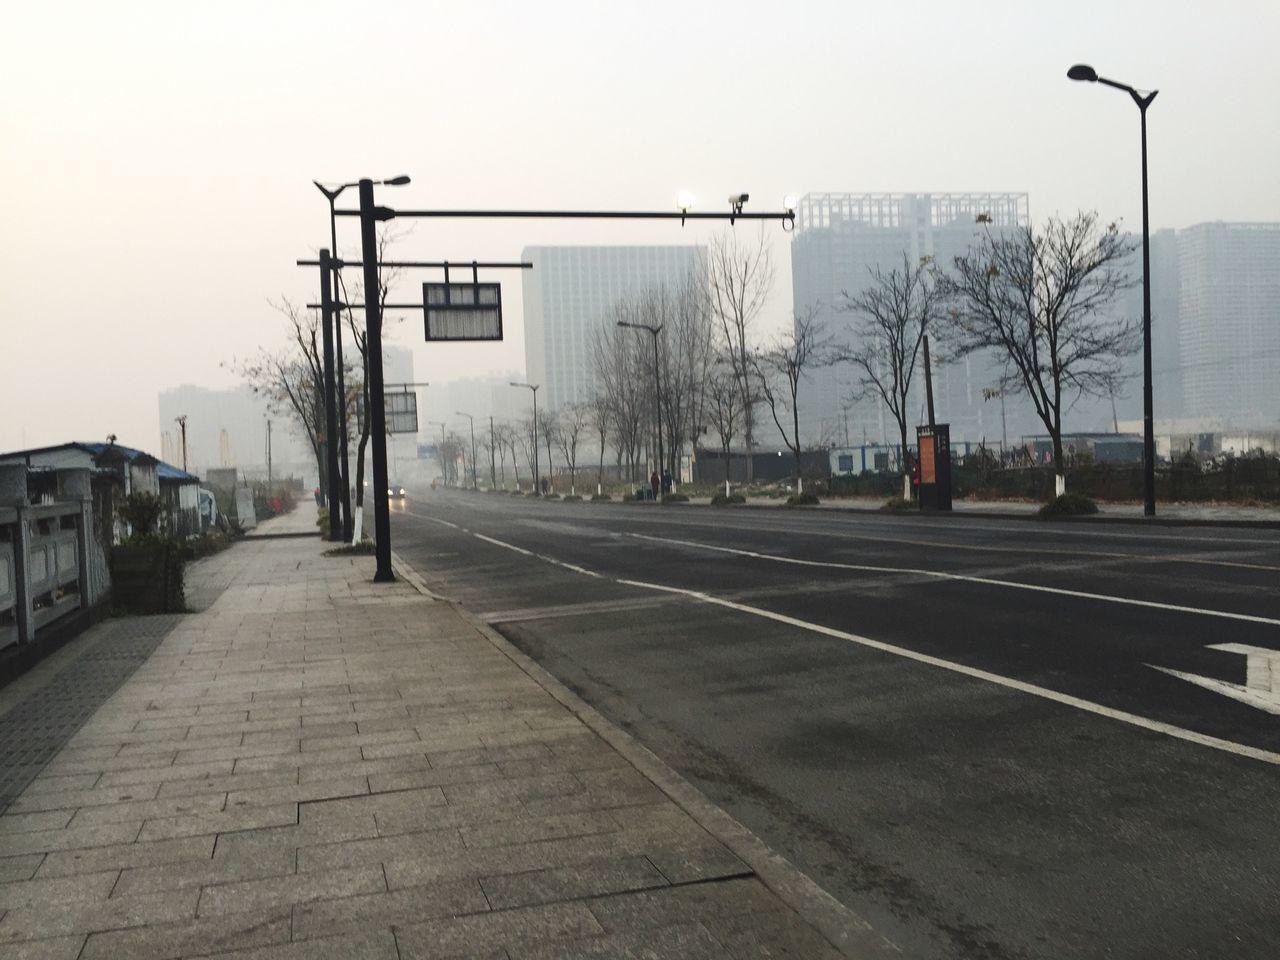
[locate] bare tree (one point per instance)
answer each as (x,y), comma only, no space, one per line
(500,442)
(511,437)
(688,351)
(782,367)
(724,410)
(740,277)
(894,313)
(619,364)
(1038,300)
(359,387)
(526,441)
(600,419)
(573,420)
(292,380)
(548,429)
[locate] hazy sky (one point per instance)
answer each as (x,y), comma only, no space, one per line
(156,158)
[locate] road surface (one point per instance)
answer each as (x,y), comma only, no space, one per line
(992,739)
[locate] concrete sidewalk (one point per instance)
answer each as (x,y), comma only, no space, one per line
(317,766)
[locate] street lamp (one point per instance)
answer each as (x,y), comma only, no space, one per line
(534,388)
(458,413)
(1087,74)
(657,394)
(340,401)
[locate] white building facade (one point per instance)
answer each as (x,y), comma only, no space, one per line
(570,293)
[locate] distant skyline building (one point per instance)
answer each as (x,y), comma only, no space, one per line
(568,294)
(1229,322)
(228,428)
(839,239)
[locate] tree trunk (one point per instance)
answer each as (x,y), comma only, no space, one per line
(905,459)
(1059,465)
(795,425)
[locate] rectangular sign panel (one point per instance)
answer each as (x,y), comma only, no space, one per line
(402,412)
(462,311)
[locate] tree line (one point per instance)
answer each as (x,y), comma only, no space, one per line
(1037,300)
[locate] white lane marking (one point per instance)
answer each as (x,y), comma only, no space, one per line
(1088,706)
(965,578)
(539,556)
(443,523)
(499,543)
(1262,677)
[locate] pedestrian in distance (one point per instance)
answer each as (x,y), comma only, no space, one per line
(653,483)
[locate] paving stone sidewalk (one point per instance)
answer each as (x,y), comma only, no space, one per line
(319,767)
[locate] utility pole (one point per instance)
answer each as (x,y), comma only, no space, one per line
(269,477)
(474,483)
(182,423)
(493,469)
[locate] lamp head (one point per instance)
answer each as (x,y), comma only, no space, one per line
(1083,71)
(399,181)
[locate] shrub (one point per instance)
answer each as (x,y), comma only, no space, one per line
(721,500)
(603,496)
(898,505)
(1068,505)
(571,498)
(363,548)
(143,512)
(802,500)
(675,498)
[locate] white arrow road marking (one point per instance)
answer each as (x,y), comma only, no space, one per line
(1262,677)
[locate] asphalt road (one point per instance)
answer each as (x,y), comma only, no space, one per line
(956,726)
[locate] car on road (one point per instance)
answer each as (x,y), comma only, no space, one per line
(396,491)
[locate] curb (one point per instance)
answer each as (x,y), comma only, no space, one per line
(843,928)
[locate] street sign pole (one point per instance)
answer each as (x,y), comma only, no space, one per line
(333,480)
(377,412)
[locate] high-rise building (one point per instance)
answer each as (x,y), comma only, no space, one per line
(1229,322)
(569,294)
(839,239)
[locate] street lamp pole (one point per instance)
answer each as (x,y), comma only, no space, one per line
(534,387)
(657,394)
(1143,100)
(334,483)
(377,411)
(474,484)
(340,399)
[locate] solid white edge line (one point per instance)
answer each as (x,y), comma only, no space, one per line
(963,578)
(1088,706)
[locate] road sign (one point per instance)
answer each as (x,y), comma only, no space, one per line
(462,311)
(400,411)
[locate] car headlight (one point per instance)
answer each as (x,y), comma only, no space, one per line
(390,493)
(402,491)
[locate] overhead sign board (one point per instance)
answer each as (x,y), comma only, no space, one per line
(462,311)
(400,411)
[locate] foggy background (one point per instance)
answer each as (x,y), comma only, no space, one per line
(157,158)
